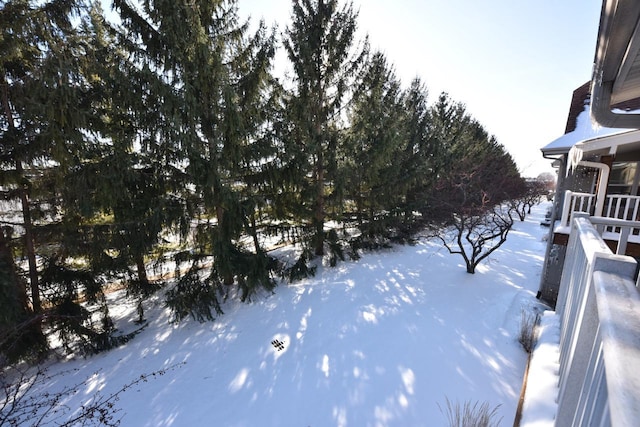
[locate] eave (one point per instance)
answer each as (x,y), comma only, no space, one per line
(616,72)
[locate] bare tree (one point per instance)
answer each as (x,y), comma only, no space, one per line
(532,196)
(475,236)
(471,207)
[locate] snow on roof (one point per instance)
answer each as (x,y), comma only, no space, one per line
(585,130)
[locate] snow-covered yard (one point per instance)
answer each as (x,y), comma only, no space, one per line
(382,341)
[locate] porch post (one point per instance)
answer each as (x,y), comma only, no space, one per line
(603,181)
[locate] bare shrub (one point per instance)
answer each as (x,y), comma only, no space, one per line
(23,400)
(527,334)
(471,415)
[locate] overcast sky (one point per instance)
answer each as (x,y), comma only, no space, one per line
(514,63)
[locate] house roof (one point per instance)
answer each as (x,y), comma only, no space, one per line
(616,71)
(583,131)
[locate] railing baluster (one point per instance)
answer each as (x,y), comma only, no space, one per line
(599,351)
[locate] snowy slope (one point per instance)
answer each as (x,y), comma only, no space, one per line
(382,341)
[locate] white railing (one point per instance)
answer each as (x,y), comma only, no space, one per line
(619,206)
(617,230)
(599,309)
(577,202)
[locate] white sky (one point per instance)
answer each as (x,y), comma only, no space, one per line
(514,63)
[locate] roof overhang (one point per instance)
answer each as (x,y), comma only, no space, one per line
(585,132)
(611,145)
(616,72)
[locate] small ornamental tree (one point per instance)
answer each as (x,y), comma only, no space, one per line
(470,200)
(476,236)
(532,194)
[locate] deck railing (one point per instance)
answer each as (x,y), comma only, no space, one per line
(618,206)
(577,202)
(599,309)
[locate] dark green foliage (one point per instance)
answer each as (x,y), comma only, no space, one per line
(336,251)
(195,297)
(48,113)
(20,333)
(217,123)
(301,269)
(257,273)
(320,43)
(122,143)
(375,143)
(422,159)
(66,290)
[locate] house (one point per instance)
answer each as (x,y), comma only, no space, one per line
(598,173)
(598,157)
(590,273)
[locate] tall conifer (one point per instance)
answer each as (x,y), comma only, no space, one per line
(48,122)
(216,75)
(321,45)
(376,141)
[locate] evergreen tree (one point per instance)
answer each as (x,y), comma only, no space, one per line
(20,334)
(46,114)
(449,124)
(374,149)
(52,101)
(422,159)
(320,44)
(125,194)
(38,96)
(215,76)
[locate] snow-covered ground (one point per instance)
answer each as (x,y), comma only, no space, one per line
(540,404)
(382,341)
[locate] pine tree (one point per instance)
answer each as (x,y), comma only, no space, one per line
(215,76)
(422,158)
(374,149)
(321,45)
(49,118)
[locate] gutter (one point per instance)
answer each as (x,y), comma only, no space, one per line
(602,112)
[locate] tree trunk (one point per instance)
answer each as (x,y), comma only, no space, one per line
(6,257)
(319,208)
(142,270)
(254,234)
(26,211)
(224,266)
(29,244)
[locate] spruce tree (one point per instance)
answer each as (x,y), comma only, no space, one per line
(422,157)
(49,122)
(373,154)
(215,77)
(321,45)
(127,194)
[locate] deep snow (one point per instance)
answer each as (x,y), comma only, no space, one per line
(382,341)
